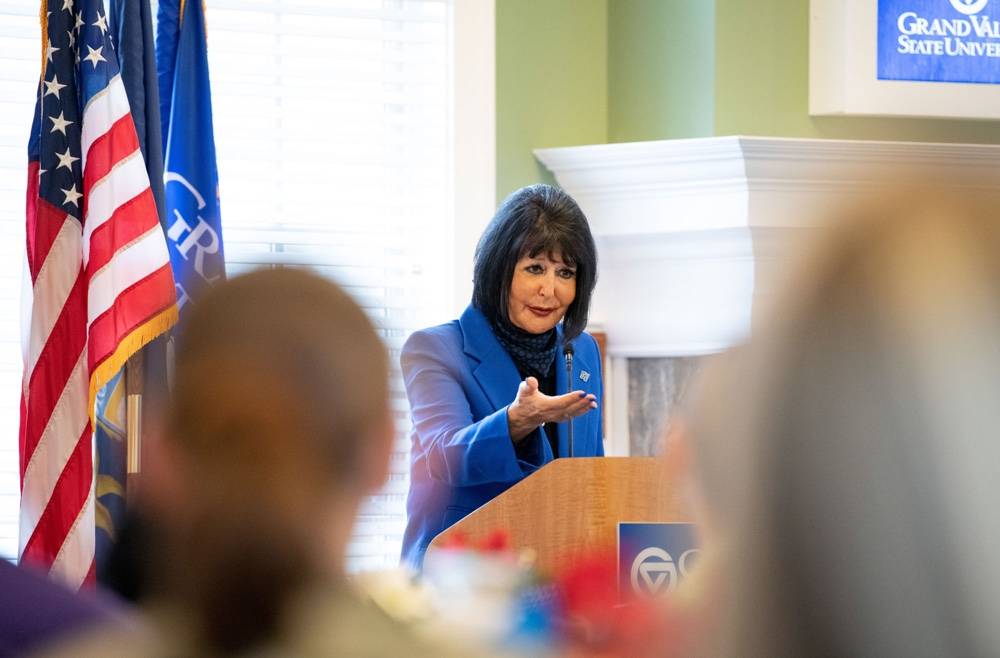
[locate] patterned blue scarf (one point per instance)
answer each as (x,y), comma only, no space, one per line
(533,354)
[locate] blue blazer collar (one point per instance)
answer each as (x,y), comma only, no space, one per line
(497,375)
(495,370)
(479,341)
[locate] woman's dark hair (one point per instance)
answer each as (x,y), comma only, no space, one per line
(533,220)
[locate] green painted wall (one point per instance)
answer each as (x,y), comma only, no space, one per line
(762,82)
(661,69)
(575,72)
(552,82)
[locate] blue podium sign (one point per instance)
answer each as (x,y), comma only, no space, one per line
(654,558)
(939,40)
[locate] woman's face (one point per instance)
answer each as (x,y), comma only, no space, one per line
(541,292)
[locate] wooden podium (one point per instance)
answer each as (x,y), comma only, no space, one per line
(571,506)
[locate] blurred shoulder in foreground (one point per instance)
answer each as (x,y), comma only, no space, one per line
(848,455)
(37,611)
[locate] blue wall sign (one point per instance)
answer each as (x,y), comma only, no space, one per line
(939,40)
(653,558)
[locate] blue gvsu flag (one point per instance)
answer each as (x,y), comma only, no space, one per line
(191,178)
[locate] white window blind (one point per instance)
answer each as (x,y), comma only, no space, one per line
(333,132)
(333,128)
(20,62)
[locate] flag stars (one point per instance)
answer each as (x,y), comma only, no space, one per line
(52,87)
(72,38)
(49,49)
(68,5)
(66,160)
(72,196)
(101,23)
(95,56)
(79,23)
(59,123)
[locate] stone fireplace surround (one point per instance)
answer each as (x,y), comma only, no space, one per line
(692,234)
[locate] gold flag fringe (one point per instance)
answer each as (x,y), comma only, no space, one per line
(132,343)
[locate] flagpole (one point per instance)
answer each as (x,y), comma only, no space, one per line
(134,380)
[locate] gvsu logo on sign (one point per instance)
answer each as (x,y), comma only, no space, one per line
(654,571)
(939,41)
(654,558)
(969,7)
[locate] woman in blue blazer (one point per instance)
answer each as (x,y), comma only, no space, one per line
(484,390)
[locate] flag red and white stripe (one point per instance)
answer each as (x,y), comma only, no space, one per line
(101,287)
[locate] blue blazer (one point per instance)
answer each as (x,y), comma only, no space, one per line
(459,381)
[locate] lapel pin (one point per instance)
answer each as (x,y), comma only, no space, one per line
(584,375)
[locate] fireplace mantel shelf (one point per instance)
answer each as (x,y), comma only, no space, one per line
(690,231)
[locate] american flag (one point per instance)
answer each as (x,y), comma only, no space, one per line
(101,280)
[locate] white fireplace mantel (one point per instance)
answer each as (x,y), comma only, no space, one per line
(690,232)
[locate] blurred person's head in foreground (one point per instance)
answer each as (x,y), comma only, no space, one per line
(849,456)
(279,426)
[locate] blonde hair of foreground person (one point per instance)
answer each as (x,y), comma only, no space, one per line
(279,426)
(849,456)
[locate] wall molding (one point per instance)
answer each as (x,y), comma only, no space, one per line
(474,151)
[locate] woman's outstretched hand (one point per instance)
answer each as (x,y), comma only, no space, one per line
(532,408)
